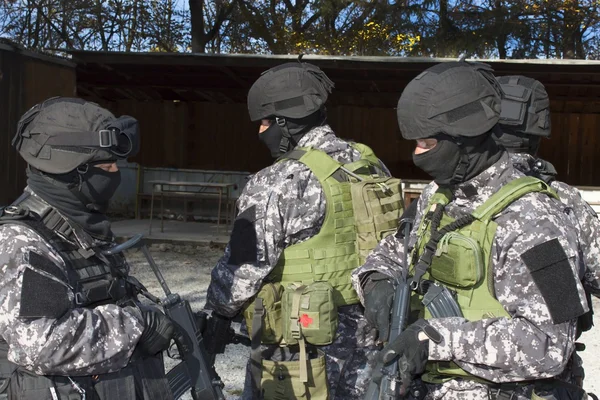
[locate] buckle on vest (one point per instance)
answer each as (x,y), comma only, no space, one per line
(80,298)
(501,394)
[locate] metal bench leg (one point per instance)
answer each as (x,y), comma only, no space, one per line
(219,211)
(162,212)
(151,211)
(185,210)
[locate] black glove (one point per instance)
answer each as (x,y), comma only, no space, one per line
(408,345)
(379,295)
(157,334)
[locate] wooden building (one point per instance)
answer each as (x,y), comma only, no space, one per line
(193,114)
(26,78)
(192,107)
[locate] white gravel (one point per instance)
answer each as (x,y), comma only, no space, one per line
(186,270)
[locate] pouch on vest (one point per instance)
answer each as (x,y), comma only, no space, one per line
(309,312)
(282,380)
(377,205)
(272,326)
(458,261)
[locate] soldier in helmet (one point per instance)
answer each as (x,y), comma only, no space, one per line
(524,121)
(288,230)
(70,324)
(496,239)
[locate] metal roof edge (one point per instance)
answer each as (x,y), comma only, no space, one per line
(5,46)
(323,58)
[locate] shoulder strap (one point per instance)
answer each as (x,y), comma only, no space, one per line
(510,192)
(319,162)
(441,196)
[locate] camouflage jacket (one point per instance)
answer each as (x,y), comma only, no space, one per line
(81,342)
(588,224)
(282,205)
(528,345)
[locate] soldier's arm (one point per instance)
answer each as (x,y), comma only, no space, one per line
(588,226)
(386,258)
(539,338)
(274,214)
(44,333)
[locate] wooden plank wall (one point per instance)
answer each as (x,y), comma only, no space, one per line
(574,147)
(203,135)
(25,82)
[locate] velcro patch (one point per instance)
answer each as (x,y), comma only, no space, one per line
(553,275)
(42,297)
(243,242)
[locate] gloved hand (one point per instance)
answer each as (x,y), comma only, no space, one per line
(158,332)
(413,345)
(379,295)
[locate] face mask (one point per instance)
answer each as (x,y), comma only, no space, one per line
(271,137)
(439,162)
(99,186)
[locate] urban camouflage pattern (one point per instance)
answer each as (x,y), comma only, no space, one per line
(528,346)
(290,208)
(81,342)
(587,222)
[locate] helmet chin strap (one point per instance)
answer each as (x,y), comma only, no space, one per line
(287,141)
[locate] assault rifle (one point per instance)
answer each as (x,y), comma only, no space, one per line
(396,382)
(195,333)
(396,379)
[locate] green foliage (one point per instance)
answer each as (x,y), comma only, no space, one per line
(431,28)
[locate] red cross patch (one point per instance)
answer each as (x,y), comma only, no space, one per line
(305,320)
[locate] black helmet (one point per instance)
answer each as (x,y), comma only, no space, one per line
(292,95)
(525,116)
(459,99)
(63,133)
(292,90)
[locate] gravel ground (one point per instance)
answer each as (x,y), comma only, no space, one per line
(186,270)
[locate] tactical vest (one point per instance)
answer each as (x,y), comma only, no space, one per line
(360,211)
(462,260)
(95,278)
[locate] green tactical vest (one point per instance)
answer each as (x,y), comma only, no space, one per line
(360,211)
(462,261)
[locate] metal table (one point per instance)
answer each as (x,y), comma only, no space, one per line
(192,190)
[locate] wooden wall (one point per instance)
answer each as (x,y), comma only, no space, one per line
(574,147)
(220,136)
(25,80)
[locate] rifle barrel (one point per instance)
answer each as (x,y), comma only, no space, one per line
(156,271)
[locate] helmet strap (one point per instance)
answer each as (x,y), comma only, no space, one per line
(287,141)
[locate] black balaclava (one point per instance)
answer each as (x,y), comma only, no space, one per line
(295,128)
(456,160)
(81,196)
